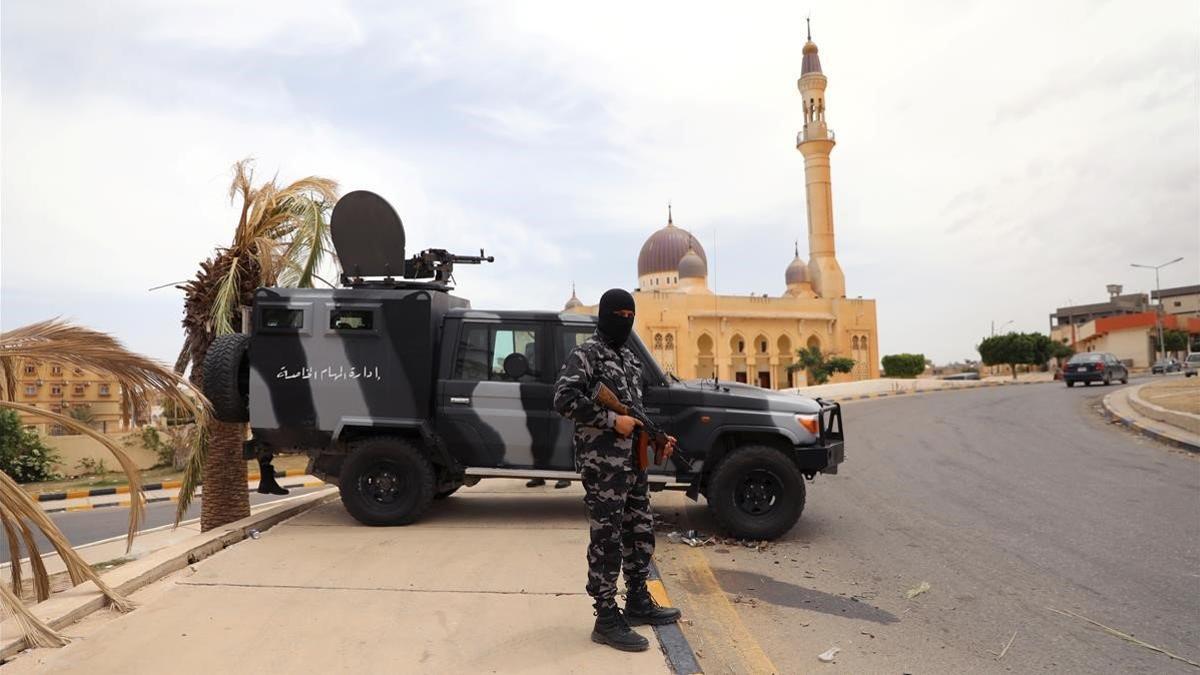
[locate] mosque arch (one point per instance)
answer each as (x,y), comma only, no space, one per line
(737,344)
(784,343)
(705,344)
(761,344)
(813,341)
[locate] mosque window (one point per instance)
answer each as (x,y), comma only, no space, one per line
(854,343)
(658,341)
(741,346)
(670,341)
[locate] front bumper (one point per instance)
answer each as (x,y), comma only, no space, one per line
(830,448)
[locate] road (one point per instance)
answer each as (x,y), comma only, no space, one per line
(83,527)
(1008,501)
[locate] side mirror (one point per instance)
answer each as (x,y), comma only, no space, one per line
(516,366)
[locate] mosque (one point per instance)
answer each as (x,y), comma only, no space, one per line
(694,333)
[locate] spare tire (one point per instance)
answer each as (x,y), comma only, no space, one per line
(227,377)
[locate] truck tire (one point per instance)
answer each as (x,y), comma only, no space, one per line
(386,481)
(756,492)
(227,377)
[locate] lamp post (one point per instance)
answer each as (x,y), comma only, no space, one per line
(1001,325)
(1162,345)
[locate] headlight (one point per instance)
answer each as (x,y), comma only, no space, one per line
(812,423)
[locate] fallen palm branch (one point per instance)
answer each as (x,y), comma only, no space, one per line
(1124,636)
(61,342)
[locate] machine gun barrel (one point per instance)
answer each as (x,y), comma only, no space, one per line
(438,263)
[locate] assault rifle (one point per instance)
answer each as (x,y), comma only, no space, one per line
(647,435)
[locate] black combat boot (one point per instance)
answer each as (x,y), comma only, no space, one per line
(536,482)
(562,484)
(641,608)
(267,484)
(612,630)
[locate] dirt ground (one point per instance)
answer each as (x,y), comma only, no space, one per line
(1181,394)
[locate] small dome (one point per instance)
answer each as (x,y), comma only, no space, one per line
(812,61)
(797,270)
(664,250)
(573,301)
(692,266)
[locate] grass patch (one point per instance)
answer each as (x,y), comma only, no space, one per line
(156,475)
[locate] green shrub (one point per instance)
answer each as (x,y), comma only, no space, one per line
(91,467)
(903,365)
(22,453)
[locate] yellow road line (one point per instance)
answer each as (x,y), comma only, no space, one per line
(719,613)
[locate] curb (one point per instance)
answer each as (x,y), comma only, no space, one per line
(908,392)
(671,639)
(74,604)
(1138,428)
(125,503)
(124,489)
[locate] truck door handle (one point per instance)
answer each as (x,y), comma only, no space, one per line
(460,399)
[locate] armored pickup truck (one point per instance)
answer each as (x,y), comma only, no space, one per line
(400,393)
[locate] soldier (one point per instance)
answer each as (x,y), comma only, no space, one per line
(617,496)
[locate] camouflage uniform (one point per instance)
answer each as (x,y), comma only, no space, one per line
(617,499)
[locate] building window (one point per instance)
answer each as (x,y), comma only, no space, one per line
(30,370)
(30,390)
(56,390)
(1178,303)
(56,370)
(79,390)
(104,390)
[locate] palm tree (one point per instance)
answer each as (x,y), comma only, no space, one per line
(282,238)
(20,516)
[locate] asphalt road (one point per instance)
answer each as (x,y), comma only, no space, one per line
(1008,501)
(83,527)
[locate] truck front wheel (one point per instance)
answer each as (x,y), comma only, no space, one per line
(756,493)
(386,481)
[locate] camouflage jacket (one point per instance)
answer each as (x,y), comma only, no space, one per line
(597,445)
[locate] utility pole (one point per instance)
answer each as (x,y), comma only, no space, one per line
(1162,345)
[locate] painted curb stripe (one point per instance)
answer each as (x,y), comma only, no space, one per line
(674,643)
(172,498)
(165,485)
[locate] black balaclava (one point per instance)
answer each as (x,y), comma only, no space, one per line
(613,328)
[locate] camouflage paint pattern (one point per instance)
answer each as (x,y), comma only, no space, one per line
(616,493)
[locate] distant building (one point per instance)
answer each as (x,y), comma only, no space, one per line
(695,333)
(1180,301)
(1132,338)
(63,388)
(1064,319)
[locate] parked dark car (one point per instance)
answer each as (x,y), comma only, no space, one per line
(1167,365)
(1090,367)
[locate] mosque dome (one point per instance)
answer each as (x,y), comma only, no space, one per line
(573,301)
(692,266)
(664,250)
(797,270)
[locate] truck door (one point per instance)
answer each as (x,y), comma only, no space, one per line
(488,418)
(561,430)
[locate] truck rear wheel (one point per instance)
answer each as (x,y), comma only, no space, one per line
(227,377)
(756,493)
(386,481)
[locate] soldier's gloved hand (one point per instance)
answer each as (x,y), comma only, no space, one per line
(624,425)
(671,443)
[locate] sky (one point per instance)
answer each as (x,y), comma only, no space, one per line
(994,160)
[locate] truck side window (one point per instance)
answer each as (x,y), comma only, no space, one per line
(472,363)
(351,319)
(282,318)
(573,337)
(506,341)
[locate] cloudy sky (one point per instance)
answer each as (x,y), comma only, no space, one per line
(994,160)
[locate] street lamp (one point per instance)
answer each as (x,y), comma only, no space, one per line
(1001,325)
(1162,345)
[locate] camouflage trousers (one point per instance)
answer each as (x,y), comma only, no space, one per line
(622,531)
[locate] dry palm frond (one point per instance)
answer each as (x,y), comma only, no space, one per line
(37,634)
(41,580)
(136,498)
(138,376)
(8,364)
(192,472)
(21,506)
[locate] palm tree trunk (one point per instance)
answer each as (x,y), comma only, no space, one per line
(224,497)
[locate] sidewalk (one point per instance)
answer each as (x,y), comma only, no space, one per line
(491,579)
(1126,406)
(849,391)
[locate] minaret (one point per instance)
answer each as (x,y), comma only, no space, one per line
(815,142)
